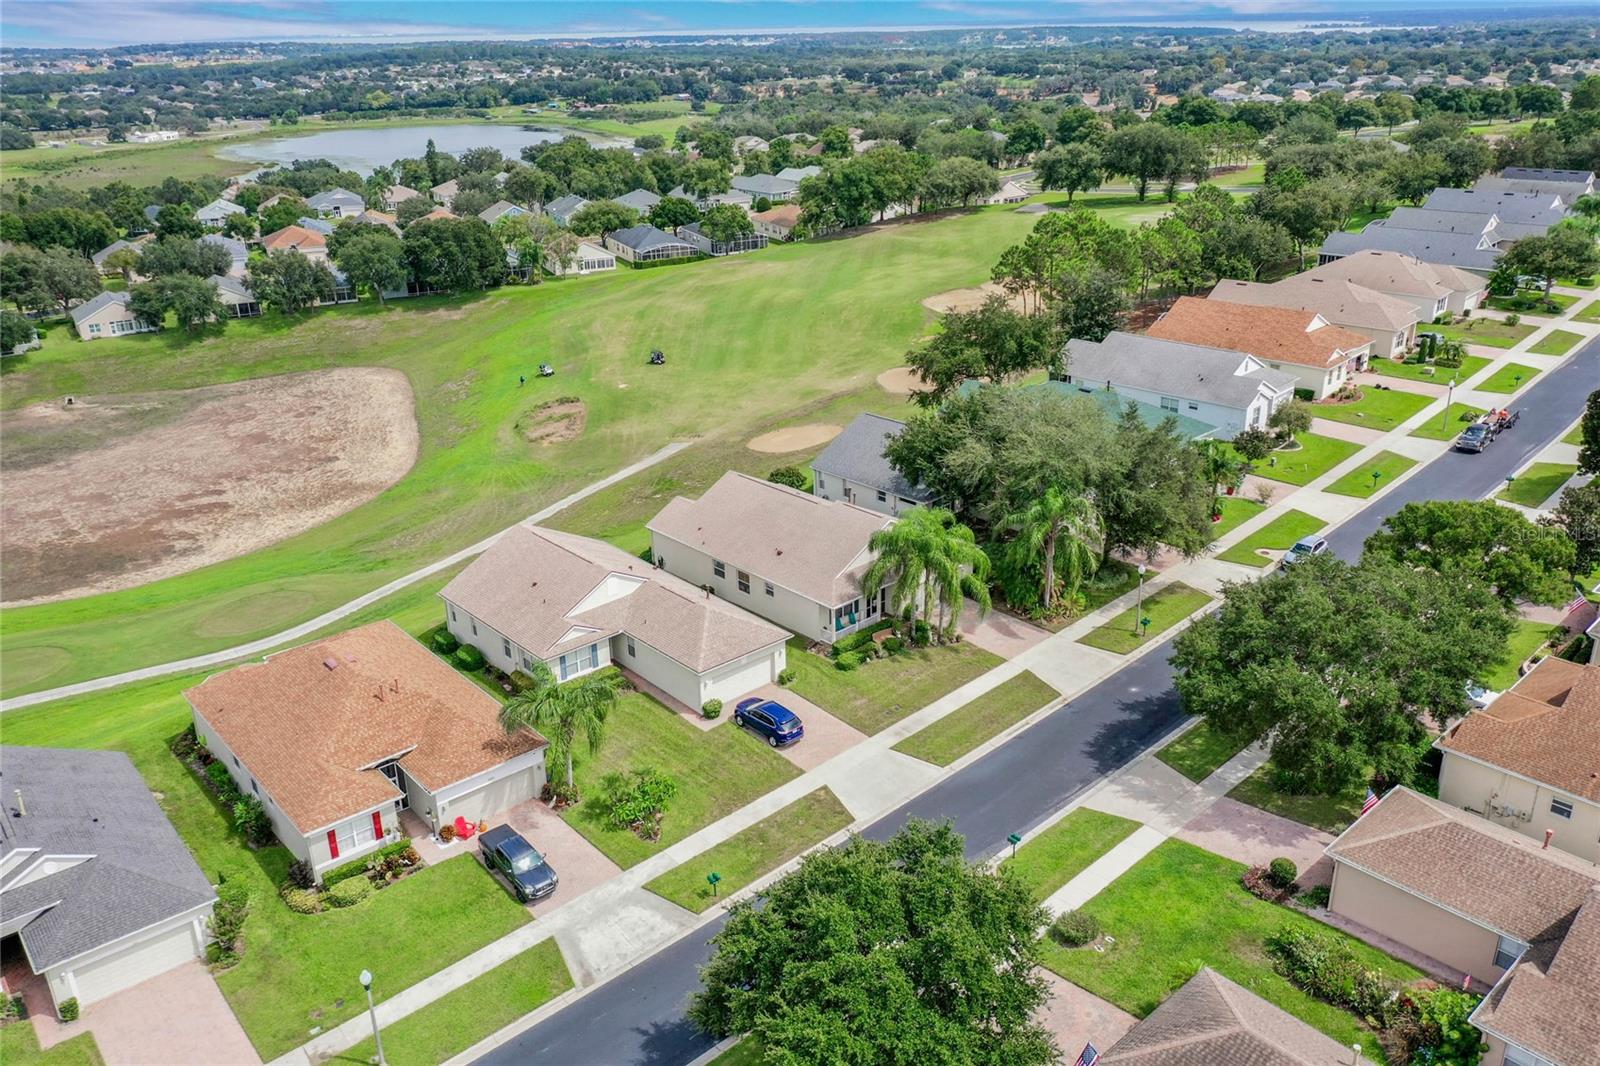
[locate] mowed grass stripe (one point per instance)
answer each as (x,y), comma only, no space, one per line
(754,851)
(1066,849)
(1165,608)
(1360,481)
(986,716)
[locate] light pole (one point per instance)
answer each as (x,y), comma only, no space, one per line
(1139,613)
(1449,399)
(377,1037)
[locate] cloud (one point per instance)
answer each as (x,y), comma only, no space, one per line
(109,22)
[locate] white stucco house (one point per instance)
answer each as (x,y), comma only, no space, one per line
(107,315)
(337,203)
(217,212)
(588,258)
(852,468)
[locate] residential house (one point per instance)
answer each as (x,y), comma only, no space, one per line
(1568,185)
(436,214)
(315,225)
(578,604)
(1497,231)
(444,194)
(852,468)
(238,253)
(99,258)
(799,174)
(337,203)
(563,208)
(1388,322)
(108,315)
(1433,289)
(338,736)
(378,218)
(235,296)
(297,239)
(1230,390)
(274,200)
(1010,192)
(501,209)
(749,143)
(1491,904)
(790,557)
(776,189)
(1581,178)
(216,213)
(395,195)
(1530,761)
(1465,251)
(1211,1021)
(1322,356)
(746,242)
(152,214)
(645,243)
(640,200)
(587,259)
(778,223)
(94,881)
(1517,209)
(733,196)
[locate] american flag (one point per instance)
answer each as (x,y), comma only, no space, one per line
(1370,802)
(1576,601)
(1089,1057)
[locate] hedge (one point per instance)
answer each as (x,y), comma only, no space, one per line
(861,638)
(358,867)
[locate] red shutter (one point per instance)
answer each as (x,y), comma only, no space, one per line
(333,844)
(377,825)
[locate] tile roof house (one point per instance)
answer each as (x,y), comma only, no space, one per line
(337,736)
(1434,289)
(94,880)
(1320,355)
(645,243)
(578,604)
(852,468)
(788,556)
(1465,251)
(296,239)
(1210,1021)
(1530,761)
(1230,390)
(563,208)
(337,203)
(108,315)
(1389,322)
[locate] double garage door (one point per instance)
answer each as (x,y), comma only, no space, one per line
(148,958)
(496,796)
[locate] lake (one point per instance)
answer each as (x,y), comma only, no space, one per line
(362,150)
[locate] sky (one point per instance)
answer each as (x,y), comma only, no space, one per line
(104,23)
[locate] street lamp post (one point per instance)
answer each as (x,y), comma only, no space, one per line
(1449,400)
(377,1037)
(1137,614)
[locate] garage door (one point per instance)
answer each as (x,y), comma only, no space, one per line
(496,796)
(743,679)
(140,962)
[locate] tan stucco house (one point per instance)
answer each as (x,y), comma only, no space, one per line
(1389,322)
(338,736)
(108,315)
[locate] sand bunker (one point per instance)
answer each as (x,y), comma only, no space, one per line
(555,422)
(119,491)
(794,439)
(902,381)
(968,299)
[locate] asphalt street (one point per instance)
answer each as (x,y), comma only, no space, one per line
(638,1016)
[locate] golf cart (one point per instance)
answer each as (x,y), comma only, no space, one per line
(546,370)
(658,357)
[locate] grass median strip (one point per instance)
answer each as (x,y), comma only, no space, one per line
(1590,313)
(754,851)
(1509,378)
(1165,608)
(1066,849)
(1199,752)
(1277,535)
(1556,342)
(1449,424)
(969,725)
(1315,456)
(483,1006)
(1537,483)
(1361,482)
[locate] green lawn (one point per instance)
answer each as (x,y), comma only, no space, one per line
(717,771)
(883,691)
(1450,422)
(1315,456)
(1377,409)
(1470,365)
(969,725)
(483,1006)
(1508,378)
(1236,511)
(1580,283)
(1165,608)
(1590,312)
(1574,435)
(1359,482)
(1066,849)
(790,313)
(1556,342)
(1538,483)
(19,1046)
(753,852)
(1489,332)
(1199,752)
(747,1052)
(1277,535)
(1526,638)
(1508,303)
(1182,907)
(1332,814)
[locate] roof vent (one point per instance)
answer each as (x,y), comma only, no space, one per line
(331,663)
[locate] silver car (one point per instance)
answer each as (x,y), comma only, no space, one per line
(1305,548)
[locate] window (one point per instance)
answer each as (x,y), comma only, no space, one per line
(1560,808)
(883,497)
(253,787)
(353,834)
(236,760)
(744,581)
(94,328)
(718,568)
(452,614)
(474,627)
(579,662)
(631,652)
(768,587)
(505,646)
(1194,407)
(527,662)
(1515,1056)
(1169,403)
(1507,951)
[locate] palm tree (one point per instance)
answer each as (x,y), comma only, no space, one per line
(561,711)
(1063,529)
(935,562)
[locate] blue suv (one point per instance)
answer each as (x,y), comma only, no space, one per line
(777,723)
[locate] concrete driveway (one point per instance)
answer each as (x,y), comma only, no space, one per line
(1005,635)
(1250,835)
(826,735)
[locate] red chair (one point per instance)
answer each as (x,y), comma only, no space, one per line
(465,829)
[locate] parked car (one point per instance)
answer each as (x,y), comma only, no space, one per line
(518,863)
(1475,438)
(770,719)
(1478,696)
(1305,548)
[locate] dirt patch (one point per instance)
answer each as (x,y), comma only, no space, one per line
(555,421)
(969,299)
(794,438)
(902,381)
(115,492)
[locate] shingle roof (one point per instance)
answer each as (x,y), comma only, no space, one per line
(305,722)
(799,174)
(1450,249)
(235,248)
(1567,190)
(644,237)
(1545,174)
(400,193)
(1549,1002)
(1396,272)
(498,208)
(641,200)
(1489,874)
(1438,220)
(764,185)
(315,225)
(446,189)
(812,546)
(220,207)
(565,205)
(1173,368)
(857,455)
(99,258)
(296,237)
(98,303)
(1547,728)
(1339,301)
(1511,208)
(232,287)
(1210,1021)
(782,215)
(1285,334)
(91,803)
(536,585)
(322,201)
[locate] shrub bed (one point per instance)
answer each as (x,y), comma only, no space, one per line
(1075,929)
